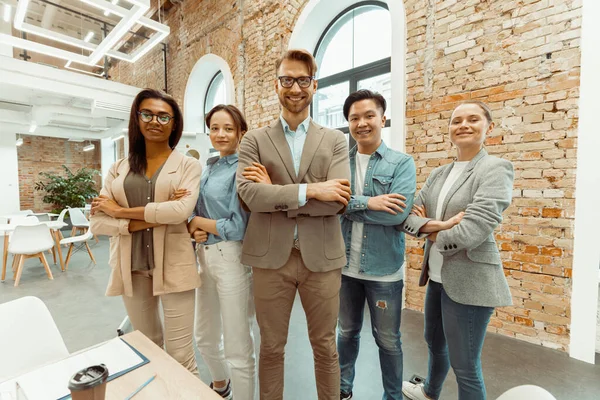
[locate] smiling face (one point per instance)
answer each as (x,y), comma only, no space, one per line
(224,135)
(295,99)
(154,131)
(365,120)
(469,127)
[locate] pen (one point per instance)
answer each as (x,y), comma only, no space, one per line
(141,387)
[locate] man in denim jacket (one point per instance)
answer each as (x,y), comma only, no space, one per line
(382,181)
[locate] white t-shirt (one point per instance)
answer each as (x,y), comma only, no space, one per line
(435,257)
(353,270)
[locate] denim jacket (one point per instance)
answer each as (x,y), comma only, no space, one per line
(388,171)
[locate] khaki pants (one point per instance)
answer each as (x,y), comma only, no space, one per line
(178,312)
(274,293)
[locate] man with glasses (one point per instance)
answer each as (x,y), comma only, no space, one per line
(294,177)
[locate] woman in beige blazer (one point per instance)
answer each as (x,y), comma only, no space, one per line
(143,207)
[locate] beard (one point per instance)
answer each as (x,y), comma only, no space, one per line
(294,107)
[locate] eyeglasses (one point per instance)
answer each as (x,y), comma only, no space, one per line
(288,81)
(162,118)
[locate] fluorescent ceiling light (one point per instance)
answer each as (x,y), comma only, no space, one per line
(6,13)
(19,141)
(118,138)
(88,37)
(89,147)
(32,127)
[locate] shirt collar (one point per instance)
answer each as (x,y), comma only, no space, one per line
(230,159)
(286,127)
(380,150)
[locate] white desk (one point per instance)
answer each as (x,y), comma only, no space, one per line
(54,227)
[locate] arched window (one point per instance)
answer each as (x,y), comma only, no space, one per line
(215,94)
(353,53)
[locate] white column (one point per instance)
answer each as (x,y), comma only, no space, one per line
(9,178)
(397,135)
(586,253)
(107,156)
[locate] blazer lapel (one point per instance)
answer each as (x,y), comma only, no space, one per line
(461,179)
(163,182)
(313,140)
(118,184)
(275,133)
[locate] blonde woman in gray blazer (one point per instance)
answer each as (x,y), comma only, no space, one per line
(458,209)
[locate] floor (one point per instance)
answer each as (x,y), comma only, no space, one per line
(85,317)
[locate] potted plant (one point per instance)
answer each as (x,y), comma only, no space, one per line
(72,190)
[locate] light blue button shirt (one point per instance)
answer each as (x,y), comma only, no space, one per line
(296,141)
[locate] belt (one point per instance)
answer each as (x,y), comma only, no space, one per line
(297,244)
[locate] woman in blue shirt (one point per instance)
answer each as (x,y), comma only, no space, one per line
(224,302)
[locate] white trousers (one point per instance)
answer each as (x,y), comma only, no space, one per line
(225,316)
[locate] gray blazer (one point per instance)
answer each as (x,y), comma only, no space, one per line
(472,269)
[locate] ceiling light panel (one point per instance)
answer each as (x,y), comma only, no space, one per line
(130,12)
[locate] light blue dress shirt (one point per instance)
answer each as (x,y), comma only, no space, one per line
(296,141)
(218,200)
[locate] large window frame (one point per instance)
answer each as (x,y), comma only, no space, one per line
(211,91)
(355,75)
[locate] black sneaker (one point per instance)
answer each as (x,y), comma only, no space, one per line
(224,392)
(345,396)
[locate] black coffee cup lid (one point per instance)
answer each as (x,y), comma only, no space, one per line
(88,377)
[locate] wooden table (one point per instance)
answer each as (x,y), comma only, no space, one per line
(172,380)
(54,227)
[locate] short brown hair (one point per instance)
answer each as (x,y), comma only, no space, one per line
(234,112)
(299,55)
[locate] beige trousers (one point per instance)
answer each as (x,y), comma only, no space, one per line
(178,311)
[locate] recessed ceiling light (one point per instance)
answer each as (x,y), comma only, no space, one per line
(89,36)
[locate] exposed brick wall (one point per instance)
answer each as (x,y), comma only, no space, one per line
(522,57)
(44,154)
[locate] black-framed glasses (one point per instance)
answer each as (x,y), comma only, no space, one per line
(288,81)
(162,118)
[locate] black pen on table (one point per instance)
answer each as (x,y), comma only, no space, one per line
(143,385)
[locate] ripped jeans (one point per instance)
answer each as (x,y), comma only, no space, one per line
(385,306)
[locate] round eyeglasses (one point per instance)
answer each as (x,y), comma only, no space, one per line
(162,118)
(288,81)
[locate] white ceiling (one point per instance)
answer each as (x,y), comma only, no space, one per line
(61,103)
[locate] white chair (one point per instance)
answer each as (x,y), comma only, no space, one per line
(18,220)
(526,392)
(79,221)
(71,241)
(29,335)
(30,241)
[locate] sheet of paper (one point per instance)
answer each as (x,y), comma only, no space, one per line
(50,382)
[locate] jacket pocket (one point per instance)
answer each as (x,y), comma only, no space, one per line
(486,253)
(178,250)
(258,235)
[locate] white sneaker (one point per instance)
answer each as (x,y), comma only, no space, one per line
(414,391)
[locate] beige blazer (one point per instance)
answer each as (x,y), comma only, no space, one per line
(174,260)
(275,210)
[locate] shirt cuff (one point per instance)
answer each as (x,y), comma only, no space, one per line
(359,203)
(302,194)
(221,228)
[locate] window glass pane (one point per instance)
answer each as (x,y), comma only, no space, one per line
(328,103)
(335,51)
(353,41)
(370,43)
(215,93)
(381,84)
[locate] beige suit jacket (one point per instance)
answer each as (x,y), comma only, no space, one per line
(275,210)
(174,260)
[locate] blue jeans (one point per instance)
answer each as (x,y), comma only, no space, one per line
(385,306)
(454,333)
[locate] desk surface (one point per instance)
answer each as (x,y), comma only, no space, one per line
(172,380)
(51,225)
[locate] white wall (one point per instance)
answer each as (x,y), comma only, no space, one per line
(9,178)
(586,253)
(5,27)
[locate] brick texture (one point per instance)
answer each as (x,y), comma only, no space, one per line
(43,154)
(521,57)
